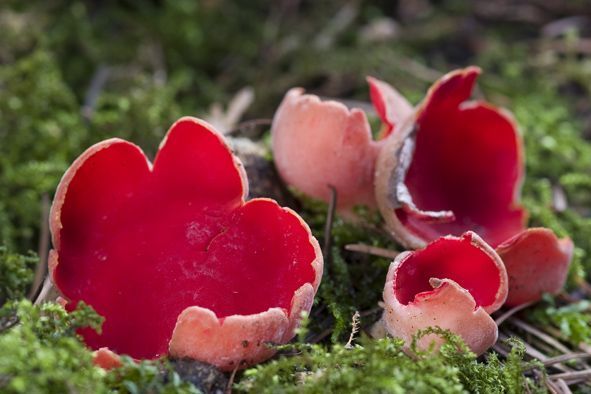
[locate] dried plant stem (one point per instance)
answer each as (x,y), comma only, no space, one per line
(231,381)
(561,384)
(43,251)
(539,334)
(373,250)
(354,329)
(330,214)
(511,312)
(572,376)
(533,352)
(249,125)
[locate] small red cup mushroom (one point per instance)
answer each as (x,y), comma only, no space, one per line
(457,165)
(174,258)
(317,144)
(530,253)
(453,283)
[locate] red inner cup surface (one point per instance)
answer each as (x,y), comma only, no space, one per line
(141,245)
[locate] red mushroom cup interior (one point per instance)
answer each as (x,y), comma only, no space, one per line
(142,243)
(456,166)
(467,260)
(453,283)
(537,262)
(317,144)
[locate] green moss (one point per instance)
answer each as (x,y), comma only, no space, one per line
(147,377)
(39,132)
(16,274)
(41,355)
(573,320)
(383,366)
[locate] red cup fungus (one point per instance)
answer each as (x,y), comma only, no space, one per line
(317,144)
(174,258)
(537,263)
(457,165)
(453,283)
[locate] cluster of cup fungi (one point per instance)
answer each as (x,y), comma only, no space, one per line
(180,263)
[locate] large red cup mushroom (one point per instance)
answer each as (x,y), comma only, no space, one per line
(457,165)
(317,144)
(453,283)
(174,258)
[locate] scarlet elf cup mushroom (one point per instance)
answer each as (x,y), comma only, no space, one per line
(173,256)
(457,165)
(320,143)
(453,283)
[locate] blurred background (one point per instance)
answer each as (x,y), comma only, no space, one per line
(75,72)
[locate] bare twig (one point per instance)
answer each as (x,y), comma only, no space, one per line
(559,200)
(572,376)
(563,358)
(330,213)
(249,125)
(43,250)
(566,357)
(47,292)
(533,352)
(511,312)
(231,380)
(326,332)
(371,311)
(561,384)
(541,335)
(97,83)
(373,250)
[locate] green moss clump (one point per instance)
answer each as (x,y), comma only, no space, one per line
(573,320)
(383,366)
(40,130)
(16,274)
(147,377)
(41,353)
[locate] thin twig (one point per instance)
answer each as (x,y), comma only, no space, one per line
(98,81)
(43,251)
(371,311)
(511,312)
(541,335)
(555,332)
(572,376)
(533,352)
(565,357)
(561,384)
(321,335)
(47,292)
(231,380)
(330,213)
(249,125)
(373,250)
(552,387)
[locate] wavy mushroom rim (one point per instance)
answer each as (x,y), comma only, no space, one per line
(244,340)
(472,323)
(319,142)
(396,156)
(475,241)
(391,106)
(55,224)
(302,297)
